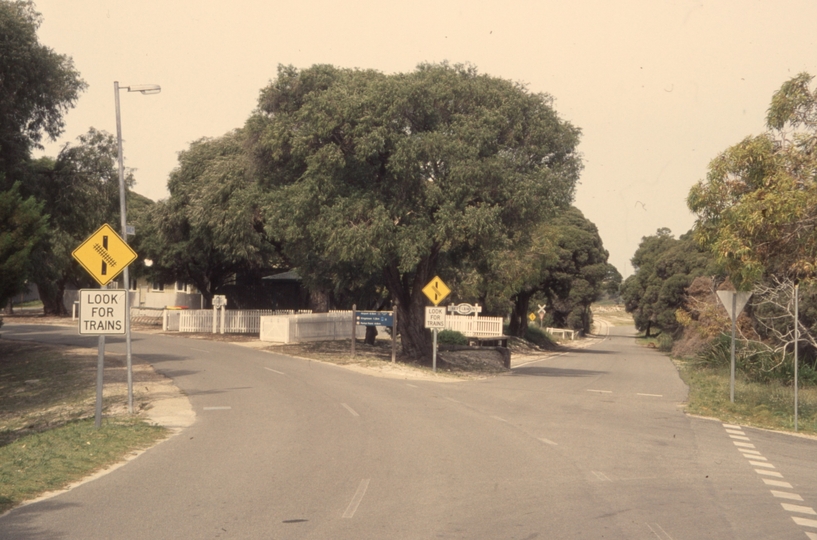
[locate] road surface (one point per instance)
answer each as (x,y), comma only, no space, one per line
(589,444)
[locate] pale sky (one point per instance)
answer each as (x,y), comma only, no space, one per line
(658,87)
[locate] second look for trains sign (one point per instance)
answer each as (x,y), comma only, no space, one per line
(104,254)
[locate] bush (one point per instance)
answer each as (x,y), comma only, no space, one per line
(451,337)
(539,337)
(755,362)
(664,342)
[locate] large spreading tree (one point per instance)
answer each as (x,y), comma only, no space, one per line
(37,87)
(405,176)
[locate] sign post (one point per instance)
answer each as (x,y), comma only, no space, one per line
(105,255)
(436,290)
(734,302)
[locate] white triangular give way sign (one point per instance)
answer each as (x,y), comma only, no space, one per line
(741,298)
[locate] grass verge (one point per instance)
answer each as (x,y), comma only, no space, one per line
(767,405)
(47,434)
(53,459)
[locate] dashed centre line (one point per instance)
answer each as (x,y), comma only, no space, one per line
(351,410)
(275,371)
(600,391)
(217,408)
(361,491)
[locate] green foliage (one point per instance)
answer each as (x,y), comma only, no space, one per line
(22,226)
(664,268)
(211,227)
(79,191)
(391,179)
(37,87)
(451,337)
(539,337)
(757,207)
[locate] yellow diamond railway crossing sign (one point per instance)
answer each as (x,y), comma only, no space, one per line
(104,254)
(436,290)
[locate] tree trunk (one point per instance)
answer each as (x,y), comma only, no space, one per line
(519,314)
(408,291)
(51,294)
(371,335)
(319,301)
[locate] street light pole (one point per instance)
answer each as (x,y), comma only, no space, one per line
(143,89)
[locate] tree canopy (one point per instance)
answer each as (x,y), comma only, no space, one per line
(211,226)
(22,226)
(401,176)
(757,208)
(664,268)
(37,87)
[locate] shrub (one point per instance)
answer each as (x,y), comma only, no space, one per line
(539,337)
(451,337)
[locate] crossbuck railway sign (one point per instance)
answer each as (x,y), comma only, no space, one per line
(104,254)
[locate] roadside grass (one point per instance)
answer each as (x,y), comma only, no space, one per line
(766,405)
(47,434)
(53,459)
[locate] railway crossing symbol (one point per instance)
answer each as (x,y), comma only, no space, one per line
(104,254)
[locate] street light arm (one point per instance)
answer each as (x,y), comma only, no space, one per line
(146,89)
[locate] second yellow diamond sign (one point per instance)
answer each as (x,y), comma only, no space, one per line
(436,290)
(104,254)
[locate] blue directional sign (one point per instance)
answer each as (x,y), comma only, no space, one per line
(374,318)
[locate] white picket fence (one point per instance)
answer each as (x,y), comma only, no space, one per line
(233,321)
(309,327)
(478,327)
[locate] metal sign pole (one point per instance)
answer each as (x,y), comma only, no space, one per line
(354,328)
(434,354)
(734,327)
(796,340)
(394,334)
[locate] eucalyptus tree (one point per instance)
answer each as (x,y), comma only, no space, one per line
(757,208)
(22,226)
(401,176)
(211,227)
(79,191)
(37,87)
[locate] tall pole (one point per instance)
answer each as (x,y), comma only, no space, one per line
(124,222)
(796,340)
(734,327)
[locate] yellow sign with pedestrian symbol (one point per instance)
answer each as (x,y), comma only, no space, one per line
(104,254)
(436,290)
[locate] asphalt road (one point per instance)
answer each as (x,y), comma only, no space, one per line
(590,444)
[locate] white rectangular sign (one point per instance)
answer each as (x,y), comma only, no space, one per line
(435,317)
(102,312)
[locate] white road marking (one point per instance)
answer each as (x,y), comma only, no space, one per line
(769,473)
(752,452)
(732,426)
(744,444)
(407,384)
(500,419)
(452,399)
(805,522)
(739,437)
(217,408)
(787,495)
(361,491)
(199,350)
(777,483)
(274,371)
(351,410)
(761,464)
(666,534)
(757,457)
(811,536)
(735,432)
(548,441)
(601,476)
(800,509)
(651,395)
(601,391)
